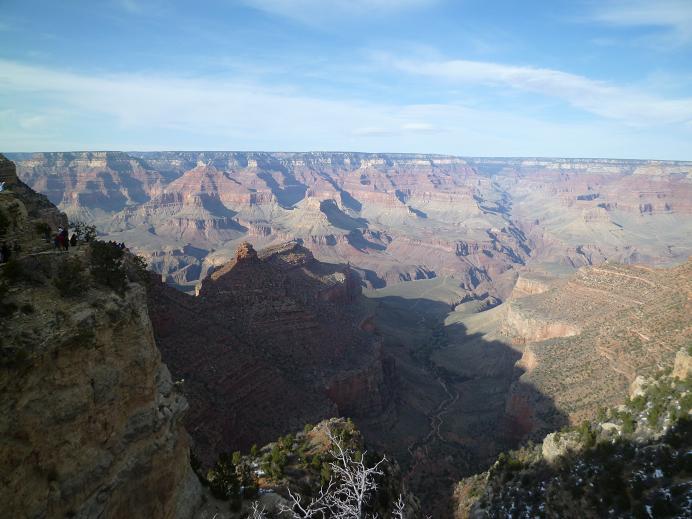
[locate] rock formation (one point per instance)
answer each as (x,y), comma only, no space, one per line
(269,331)
(91,424)
(632,461)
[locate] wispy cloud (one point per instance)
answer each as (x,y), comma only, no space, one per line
(47,109)
(598,97)
(317,11)
(131,6)
(673,18)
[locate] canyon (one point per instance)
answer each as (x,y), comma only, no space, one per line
(452,307)
(394,217)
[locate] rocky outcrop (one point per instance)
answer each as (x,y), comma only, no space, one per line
(25,207)
(269,330)
(528,285)
(584,471)
(683,364)
(90,421)
(557,445)
(528,327)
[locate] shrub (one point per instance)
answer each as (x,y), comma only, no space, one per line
(637,404)
(139,270)
(70,280)
(222,479)
(237,458)
(628,423)
(107,265)
(84,231)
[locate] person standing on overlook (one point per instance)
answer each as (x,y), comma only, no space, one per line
(65,239)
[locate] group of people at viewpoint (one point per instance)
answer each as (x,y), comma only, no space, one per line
(61,240)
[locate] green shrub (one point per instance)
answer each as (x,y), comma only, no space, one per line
(84,231)
(237,458)
(628,423)
(325,474)
(139,270)
(107,265)
(223,481)
(637,403)
(654,414)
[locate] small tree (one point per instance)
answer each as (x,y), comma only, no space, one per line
(84,231)
(236,458)
(350,488)
(107,265)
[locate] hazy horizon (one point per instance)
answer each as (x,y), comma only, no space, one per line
(359,152)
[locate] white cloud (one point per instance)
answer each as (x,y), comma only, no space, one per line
(674,17)
(317,11)
(44,109)
(598,97)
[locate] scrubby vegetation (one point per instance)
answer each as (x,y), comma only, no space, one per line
(70,280)
(107,265)
(308,469)
(633,461)
(83,231)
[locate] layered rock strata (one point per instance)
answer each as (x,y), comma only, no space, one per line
(269,331)
(90,422)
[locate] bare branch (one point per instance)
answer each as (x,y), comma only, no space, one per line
(257,512)
(349,490)
(399,509)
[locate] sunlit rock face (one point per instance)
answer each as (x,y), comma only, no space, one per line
(90,421)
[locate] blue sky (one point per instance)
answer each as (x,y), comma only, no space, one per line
(608,78)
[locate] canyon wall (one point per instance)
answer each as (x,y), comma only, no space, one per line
(587,339)
(269,331)
(91,424)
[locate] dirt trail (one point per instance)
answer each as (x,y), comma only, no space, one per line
(630,276)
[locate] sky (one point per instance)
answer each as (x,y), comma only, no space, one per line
(577,78)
